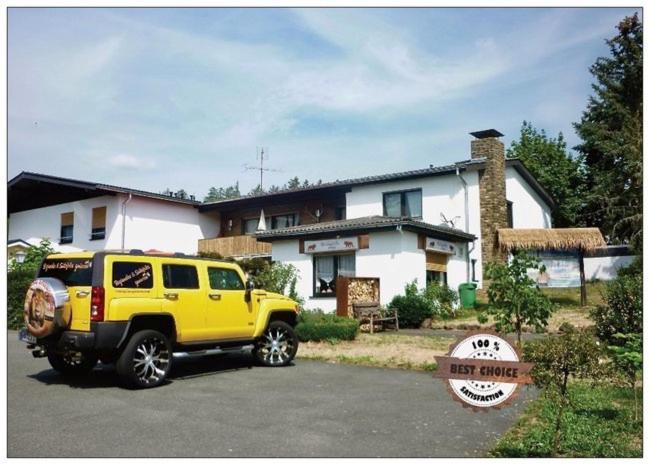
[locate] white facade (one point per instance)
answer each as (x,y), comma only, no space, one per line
(528,209)
(445,195)
(605,268)
(150,224)
(393,256)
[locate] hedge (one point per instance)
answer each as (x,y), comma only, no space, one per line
(322,327)
(18,282)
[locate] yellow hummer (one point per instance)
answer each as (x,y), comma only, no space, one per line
(139,310)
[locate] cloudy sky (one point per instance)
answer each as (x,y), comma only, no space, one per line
(181,98)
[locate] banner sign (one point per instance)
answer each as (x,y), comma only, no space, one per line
(332,245)
(562,270)
(438,245)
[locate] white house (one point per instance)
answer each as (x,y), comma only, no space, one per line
(438,223)
(78,215)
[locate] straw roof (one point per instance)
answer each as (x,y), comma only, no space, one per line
(586,239)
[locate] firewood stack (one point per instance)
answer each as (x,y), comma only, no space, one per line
(362,290)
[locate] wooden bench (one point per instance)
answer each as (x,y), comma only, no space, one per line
(370,312)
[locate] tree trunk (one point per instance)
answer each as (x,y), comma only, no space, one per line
(558,420)
(583,284)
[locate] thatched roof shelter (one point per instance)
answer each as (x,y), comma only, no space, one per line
(585,239)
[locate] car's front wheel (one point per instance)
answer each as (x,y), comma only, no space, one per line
(277,346)
(71,363)
(146,360)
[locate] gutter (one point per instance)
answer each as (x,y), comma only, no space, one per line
(124,218)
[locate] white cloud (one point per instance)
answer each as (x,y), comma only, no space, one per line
(130,161)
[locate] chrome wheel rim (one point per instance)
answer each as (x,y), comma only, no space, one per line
(151,360)
(276,346)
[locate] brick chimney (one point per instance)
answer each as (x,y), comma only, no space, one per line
(492,190)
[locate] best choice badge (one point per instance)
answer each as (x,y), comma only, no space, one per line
(483,370)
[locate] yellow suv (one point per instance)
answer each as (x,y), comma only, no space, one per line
(138,310)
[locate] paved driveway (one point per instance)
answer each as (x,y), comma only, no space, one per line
(216,406)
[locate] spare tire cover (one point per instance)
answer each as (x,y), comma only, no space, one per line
(44,297)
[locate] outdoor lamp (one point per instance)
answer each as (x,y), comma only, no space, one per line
(20,256)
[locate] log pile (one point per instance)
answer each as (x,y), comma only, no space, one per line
(353,290)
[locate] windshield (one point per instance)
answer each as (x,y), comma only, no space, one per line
(72,271)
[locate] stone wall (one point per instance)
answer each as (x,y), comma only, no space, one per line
(492,189)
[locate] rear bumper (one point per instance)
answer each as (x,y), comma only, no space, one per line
(104,336)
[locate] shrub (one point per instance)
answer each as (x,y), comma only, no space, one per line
(624,310)
(318,326)
(413,307)
(18,282)
(627,357)
(572,354)
(443,298)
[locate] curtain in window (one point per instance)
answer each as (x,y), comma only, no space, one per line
(324,273)
(346,265)
(392,204)
(413,204)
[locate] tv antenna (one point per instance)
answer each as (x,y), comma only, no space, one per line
(262,155)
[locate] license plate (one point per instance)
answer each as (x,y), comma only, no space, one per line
(24,336)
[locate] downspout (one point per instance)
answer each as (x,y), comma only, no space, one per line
(467,250)
(124,219)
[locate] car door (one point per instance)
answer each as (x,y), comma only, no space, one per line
(183,297)
(228,314)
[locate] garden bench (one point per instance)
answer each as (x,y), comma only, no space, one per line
(371,312)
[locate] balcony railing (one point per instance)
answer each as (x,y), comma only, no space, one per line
(235,246)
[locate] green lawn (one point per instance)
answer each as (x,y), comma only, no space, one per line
(568,309)
(599,423)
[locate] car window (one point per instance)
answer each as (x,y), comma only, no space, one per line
(132,275)
(225,279)
(180,277)
(72,271)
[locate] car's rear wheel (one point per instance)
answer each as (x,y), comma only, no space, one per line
(146,360)
(277,346)
(71,363)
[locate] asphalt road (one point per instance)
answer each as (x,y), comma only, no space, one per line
(217,407)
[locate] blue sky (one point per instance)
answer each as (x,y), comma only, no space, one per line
(181,98)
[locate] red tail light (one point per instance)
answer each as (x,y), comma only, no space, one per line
(97,304)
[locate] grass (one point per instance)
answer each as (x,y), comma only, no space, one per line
(568,309)
(599,423)
(389,350)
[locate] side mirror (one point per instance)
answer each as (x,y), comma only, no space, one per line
(250,285)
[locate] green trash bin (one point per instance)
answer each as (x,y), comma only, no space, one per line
(467,292)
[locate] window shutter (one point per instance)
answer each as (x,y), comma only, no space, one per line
(99,217)
(67,219)
(436,261)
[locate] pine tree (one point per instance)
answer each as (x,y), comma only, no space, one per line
(611,129)
(557,171)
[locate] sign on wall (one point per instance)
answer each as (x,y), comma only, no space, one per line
(438,245)
(332,245)
(562,270)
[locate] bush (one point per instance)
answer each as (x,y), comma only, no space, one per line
(624,310)
(573,354)
(18,282)
(443,298)
(413,307)
(318,326)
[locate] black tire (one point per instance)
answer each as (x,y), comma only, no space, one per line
(146,360)
(283,351)
(72,363)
